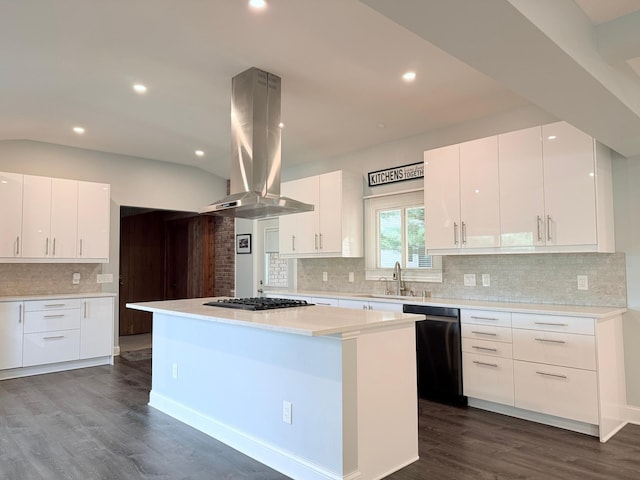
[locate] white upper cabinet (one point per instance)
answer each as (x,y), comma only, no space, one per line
(49,217)
(334,228)
(555,191)
(36,217)
(64,218)
(53,219)
(93,220)
(569,186)
(521,188)
(10,214)
(461,196)
(541,189)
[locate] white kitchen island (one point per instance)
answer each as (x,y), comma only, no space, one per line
(346,377)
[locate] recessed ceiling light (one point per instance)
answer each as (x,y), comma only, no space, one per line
(381,125)
(257,4)
(409,76)
(199,153)
(281,125)
(78,130)
(139,88)
(551,137)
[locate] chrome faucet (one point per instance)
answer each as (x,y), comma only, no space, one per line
(397,277)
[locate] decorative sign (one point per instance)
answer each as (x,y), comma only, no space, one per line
(396,174)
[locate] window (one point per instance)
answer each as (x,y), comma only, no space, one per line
(394,226)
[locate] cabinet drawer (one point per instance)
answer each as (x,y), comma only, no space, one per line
(486,347)
(564,349)
(51,347)
(554,323)
(560,391)
(52,304)
(488,378)
(51,321)
(486,332)
(486,317)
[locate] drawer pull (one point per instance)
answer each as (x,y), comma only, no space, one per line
(551,374)
(484,333)
(485,318)
(495,365)
(549,341)
(57,337)
(51,305)
(552,324)
(54,316)
(327,304)
(485,348)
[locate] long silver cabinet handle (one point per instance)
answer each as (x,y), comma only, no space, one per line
(495,365)
(485,318)
(321,247)
(539,223)
(20,313)
(17,246)
(81,244)
(293,243)
(54,316)
(455,233)
(49,305)
(549,341)
(549,227)
(463,230)
(547,374)
(484,348)
(53,252)
(53,338)
(484,333)
(315,242)
(46,248)
(552,324)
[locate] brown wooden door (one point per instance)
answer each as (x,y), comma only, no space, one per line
(178,252)
(141,268)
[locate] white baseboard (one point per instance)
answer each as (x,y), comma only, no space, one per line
(55,367)
(270,455)
(633,414)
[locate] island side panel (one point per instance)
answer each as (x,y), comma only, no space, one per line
(387,401)
(230,382)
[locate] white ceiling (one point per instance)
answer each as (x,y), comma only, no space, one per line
(73,62)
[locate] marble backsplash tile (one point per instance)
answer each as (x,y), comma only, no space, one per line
(534,278)
(47,278)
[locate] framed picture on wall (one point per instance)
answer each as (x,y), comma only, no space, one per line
(243,243)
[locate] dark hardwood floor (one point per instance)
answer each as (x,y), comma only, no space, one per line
(95,424)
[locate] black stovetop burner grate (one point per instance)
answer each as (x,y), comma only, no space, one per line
(258,303)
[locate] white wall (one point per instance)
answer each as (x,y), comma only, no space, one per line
(626,182)
(134,182)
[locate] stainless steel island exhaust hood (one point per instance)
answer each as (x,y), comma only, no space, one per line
(255,151)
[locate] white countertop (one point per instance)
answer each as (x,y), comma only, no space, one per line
(313,320)
(543,308)
(20,298)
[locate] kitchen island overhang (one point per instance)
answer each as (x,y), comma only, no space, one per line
(347,378)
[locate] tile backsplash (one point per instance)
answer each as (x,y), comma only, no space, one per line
(534,278)
(47,278)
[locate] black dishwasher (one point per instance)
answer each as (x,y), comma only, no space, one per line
(439,354)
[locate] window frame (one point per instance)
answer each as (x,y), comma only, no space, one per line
(400,200)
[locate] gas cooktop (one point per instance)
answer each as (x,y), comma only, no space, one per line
(258,303)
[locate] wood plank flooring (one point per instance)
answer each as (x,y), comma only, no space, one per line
(95,424)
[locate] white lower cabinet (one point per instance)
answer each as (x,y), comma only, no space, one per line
(487,365)
(11,332)
(46,333)
(554,390)
(96,327)
(565,368)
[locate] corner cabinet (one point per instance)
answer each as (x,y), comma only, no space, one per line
(334,228)
(461,197)
(53,220)
(543,189)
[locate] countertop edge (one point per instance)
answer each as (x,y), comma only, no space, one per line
(598,312)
